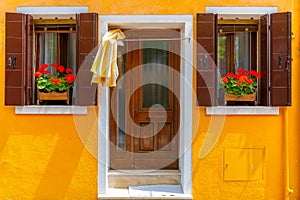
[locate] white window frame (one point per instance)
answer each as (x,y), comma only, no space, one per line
(185,24)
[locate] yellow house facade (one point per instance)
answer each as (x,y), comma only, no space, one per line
(225,152)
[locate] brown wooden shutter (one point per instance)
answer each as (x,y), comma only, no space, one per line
(264,60)
(29,75)
(87,40)
(206,59)
(15,48)
(280,59)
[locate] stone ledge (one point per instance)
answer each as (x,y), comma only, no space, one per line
(57,110)
(242,110)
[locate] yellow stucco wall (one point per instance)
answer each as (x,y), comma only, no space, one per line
(42,156)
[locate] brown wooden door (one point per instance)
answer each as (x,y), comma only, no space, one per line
(151,139)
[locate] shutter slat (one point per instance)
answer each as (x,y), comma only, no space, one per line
(280,59)
(15,48)
(87,40)
(206,59)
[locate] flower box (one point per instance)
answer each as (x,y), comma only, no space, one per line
(46,96)
(246,97)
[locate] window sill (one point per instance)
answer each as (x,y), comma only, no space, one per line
(56,110)
(242,110)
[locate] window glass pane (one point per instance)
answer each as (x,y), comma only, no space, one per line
(223,54)
(48,49)
(121,135)
(155,56)
(71,57)
(242,50)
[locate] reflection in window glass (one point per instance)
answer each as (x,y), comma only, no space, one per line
(242,51)
(121,135)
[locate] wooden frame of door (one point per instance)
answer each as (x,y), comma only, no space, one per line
(160,150)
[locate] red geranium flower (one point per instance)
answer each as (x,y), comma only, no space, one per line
(54,65)
(249,81)
(241,70)
(255,74)
(46,72)
(44,66)
(37,74)
(41,70)
(70,78)
(225,80)
(69,70)
(60,68)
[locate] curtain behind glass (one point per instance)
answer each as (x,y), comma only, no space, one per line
(155,54)
(71,57)
(242,50)
(48,49)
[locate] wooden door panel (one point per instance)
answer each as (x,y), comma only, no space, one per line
(146,137)
(154,143)
(164,137)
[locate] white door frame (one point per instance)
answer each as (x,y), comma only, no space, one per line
(185,24)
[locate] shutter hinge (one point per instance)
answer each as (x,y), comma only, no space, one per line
(269,27)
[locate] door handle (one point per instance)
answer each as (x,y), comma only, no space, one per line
(279,61)
(9,61)
(205,62)
(12,61)
(15,61)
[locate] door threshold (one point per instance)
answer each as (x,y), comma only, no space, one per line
(143,172)
(126,178)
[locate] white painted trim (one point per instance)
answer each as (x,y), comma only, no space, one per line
(241,12)
(246,10)
(63,110)
(103,139)
(242,110)
(52,10)
(185,23)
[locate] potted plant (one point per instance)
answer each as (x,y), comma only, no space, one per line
(241,86)
(54,87)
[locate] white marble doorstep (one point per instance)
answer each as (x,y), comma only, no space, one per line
(146,192)
(155,190)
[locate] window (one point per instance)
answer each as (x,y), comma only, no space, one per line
(264,44)
(237,48)
(31,42)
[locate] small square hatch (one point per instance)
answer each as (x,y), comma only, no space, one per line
(243,164)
